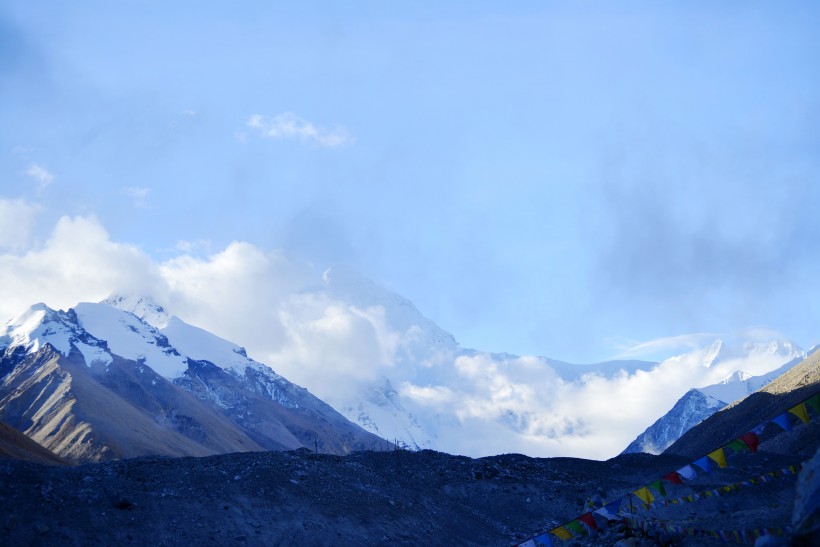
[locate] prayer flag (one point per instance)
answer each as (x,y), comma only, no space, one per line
(528,543)
(544,540)
(751,440)
(801,412)
(738,446)
(657,486)
(719,457)
(610,510)
(674,477)
(576,527)
(687,472)
(783,421)
(589,520)
(703,463)
(561,532)
(644,495)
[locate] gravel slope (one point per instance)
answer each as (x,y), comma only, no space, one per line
(382,498)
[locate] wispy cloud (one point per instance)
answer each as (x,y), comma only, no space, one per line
(290,126)
(139,195)
(40,174)
(196,247)
(664,346)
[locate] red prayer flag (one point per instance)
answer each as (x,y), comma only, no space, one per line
(751,440)
(673,477)
(589,520)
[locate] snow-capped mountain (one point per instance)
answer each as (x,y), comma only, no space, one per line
(414,398)
(700,403)
(98,382)
(689,411)
(370,354)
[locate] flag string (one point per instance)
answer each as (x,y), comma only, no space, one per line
(748,442)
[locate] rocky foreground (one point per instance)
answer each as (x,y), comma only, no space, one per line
(389,498)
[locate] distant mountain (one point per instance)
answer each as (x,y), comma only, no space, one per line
(97,382)
(793,386)
(427,360)
(689,410)
(370,354)
(698,404)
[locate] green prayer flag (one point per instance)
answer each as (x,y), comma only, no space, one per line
(576,527)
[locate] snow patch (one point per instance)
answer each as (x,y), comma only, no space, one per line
(94,354)
(132,338)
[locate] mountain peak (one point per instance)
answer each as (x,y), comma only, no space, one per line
(141,305)
(37,326)
(714,352)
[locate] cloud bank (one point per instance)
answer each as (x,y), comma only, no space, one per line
(277,307)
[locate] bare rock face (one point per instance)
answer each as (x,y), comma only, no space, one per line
(806,516)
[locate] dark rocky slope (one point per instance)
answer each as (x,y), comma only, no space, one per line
(373,498)
(15,445)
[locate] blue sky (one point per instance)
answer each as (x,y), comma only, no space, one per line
(552,178)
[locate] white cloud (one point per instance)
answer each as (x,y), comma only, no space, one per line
(290,126)
(282,312)
(78,263)
(16,223)
(139,195)
(40,174)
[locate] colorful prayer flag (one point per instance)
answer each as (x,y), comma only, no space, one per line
(687,472)
(719,457)
(751,440)
(703,463)
(673,477)
(783,421)
(589,520)
(561,533)
(576,527)
(543,540)
(801,412)
(644,495)
(657,486)
(738,446)
(610,510)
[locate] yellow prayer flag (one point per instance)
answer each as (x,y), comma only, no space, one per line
(719,457)
(801,412)
(562,533)
(645,495)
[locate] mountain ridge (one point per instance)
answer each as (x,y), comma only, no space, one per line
(55,376)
